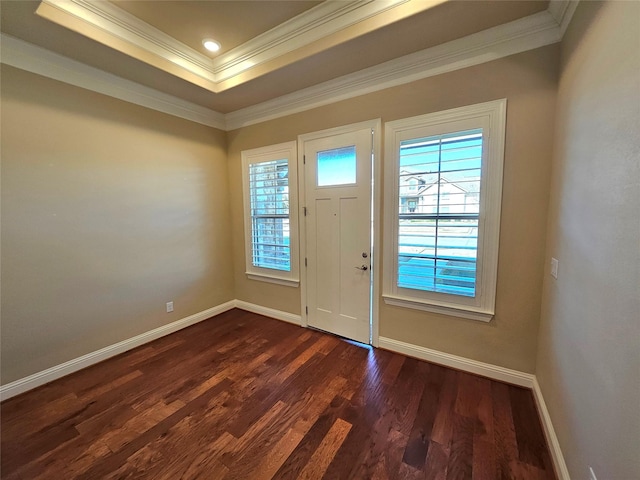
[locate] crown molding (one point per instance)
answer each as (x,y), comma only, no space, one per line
(289,31)
(320,22)
(518,36)
(116,21)
(112,26)
(31,58)
(527,33)
(118,29)
(562,11)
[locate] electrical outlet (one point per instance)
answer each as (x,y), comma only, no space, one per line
(169,307)
(554,267)
(592,476)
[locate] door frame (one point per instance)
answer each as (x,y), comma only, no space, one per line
(376,178)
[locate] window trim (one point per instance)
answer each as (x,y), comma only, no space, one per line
(288,151)
(491,117)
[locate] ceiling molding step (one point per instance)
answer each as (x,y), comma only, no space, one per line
(40,61)
(562,11)
(291,30)
(108,24)
(511,38)
(117,28)
(317,23)
(531,32)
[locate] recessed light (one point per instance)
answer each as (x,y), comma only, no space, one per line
(211,45)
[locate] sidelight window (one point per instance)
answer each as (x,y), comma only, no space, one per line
(270,213)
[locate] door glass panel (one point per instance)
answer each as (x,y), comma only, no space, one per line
(337,167)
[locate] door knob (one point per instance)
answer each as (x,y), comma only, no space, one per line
(363,268)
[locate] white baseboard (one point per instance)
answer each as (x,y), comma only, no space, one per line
(37,379)
(461,363)
(494,372)
(550,434)
(269,312)
(50,374)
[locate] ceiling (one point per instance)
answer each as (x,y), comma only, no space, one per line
(191,21)
(269,48)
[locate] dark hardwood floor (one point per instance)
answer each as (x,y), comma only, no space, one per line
(241,396)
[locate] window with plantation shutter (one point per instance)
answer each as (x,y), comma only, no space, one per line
(438,221)
(444,174)
(269,192)
(270,213)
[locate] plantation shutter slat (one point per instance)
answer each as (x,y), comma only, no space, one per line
(269,193)
(439,205)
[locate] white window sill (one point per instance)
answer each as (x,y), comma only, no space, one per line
(287,282)
(454,311)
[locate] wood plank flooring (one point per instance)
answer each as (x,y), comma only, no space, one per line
(242,396)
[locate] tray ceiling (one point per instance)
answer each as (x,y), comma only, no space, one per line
(270,49)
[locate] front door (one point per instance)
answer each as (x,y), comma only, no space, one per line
(337,177)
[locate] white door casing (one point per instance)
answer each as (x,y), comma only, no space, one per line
(338,227)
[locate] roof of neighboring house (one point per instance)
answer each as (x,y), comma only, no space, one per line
(427,181)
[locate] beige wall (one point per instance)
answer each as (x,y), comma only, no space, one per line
(529,82)
(109,210)
(589,348)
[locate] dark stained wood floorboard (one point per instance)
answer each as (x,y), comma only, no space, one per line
(242,396)
(416,452)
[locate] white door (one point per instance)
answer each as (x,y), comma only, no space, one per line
(337,176)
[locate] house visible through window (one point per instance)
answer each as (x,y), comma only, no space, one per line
(438,241)
(443,191)
(271,213)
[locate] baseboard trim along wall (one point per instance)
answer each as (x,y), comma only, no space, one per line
(552,440)
(461,363)
(50,374)
(269,312)
(494,372)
